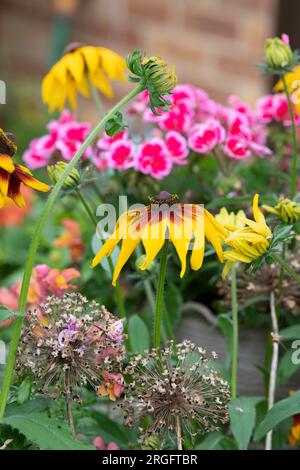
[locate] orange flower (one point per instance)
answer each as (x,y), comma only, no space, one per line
(71,239)
(13,175)
(113,387)
(294,435)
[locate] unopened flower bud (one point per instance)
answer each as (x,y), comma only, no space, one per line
(141,261)
(55,172)
(278,54)
(288,211)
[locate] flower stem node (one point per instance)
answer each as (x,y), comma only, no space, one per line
(278,54)
(55,172)
(154,75)
(288,211)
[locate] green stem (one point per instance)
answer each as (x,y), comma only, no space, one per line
(119,298)
(97,99)
(286,267)
(160,294)
(293,188)
(235,333)
(16,332)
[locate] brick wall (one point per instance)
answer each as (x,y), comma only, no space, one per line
(213,43)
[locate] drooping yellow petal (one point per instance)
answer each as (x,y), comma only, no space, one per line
(218,228)
(113,64)
(128,247)
(153,239)
(227,267)
(4,180)
(26,177)
(197,255)
(232,255)
(181,235)
(75,65)
(212,236)
(92,58)
(99,80)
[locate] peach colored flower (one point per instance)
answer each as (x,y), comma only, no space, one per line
(44,281)
(71,239)
(113,387)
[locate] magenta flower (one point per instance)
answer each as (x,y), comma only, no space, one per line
(205,137)
(121,154)
(177,147)
(152,158)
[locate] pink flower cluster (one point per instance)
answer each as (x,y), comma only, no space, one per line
(194,124)
(64,138)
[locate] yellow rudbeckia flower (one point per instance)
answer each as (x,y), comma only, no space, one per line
(80,64)
(152,225)
(293,83)
(249,242)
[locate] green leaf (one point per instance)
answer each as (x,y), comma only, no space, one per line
(31,406)
(173,304)
(225,324)
(110,430)
(115,125)
(138,334)
(291,332)
(24,391)
(280,411)
(242,416)
(211,442)
(6,313)
(47,433)
(286,368)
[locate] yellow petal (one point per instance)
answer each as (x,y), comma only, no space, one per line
(100,81)
(212,236)
(75,64)
(227,267)
(128,247)
(6,163)
(92,58)
(232,255)
(181,235)
(113,64)
(4,180)
(199,245)
(153,239)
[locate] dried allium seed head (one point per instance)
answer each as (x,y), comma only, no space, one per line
(69,342)
(175,382)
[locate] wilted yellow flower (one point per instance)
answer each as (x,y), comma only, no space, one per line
(230,220)
(80,64)
(288,211)
(249,242)
(153,224)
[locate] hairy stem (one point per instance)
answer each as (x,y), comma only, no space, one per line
(16,332)
(274,364)
(286,267)
(160,294)
(293,188)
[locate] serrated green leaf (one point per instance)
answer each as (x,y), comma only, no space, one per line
(280,411)
(242,417)
(138,334)
(47,433)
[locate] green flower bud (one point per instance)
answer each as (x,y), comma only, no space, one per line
(141,260)
(278,54)
(288,211)
(154,75)
(55,172)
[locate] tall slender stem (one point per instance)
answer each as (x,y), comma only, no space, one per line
(119,298)
(274,364)
(97,99)
(69,404)
(16,332)
(286,267)
(293,188)
(178,433)
(235,333)
(160,294)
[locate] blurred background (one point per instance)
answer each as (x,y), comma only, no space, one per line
(214,44)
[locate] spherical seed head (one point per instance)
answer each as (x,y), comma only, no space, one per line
(55,172)
(278,54)
(69,342)
(175,383)
(7,145)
